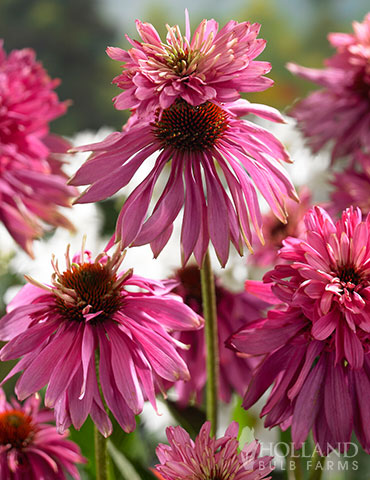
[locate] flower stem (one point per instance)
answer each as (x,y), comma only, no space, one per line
(211,339)
(293,460)
(296,469)
(101,456)
(315,470)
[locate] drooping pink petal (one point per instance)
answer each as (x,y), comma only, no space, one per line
(309,402)
(338,408)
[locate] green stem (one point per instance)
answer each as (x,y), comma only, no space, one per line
(211,339)
(100,442)
(296,468)
(316,472)
(101,456)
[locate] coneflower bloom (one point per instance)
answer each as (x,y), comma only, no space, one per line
(317,346)
(210,458)
(91,313)
(274,231)
(207,146)
(341,110)
(30,447)
(211,65)
(352,185)
(32,184)
(234,310)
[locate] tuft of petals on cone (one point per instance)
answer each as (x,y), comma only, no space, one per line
(212,65)
(210,458)
(315,347)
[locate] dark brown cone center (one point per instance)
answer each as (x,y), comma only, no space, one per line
(16,429)
(190,128)
(93,285)
(349,276)
(361,84)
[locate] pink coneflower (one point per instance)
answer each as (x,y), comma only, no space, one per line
(233,311)
(30,448)
(341,111)
(32,184)
(317,348)
(91,311)
(207,146)
(211,66)
(274,232)
(328,277)
(352,185)
(210,458)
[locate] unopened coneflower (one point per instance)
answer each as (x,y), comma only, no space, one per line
(88,315)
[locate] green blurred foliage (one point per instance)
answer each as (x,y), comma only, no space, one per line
(191,417)
(70,39)
(85,439)
(7,279)
(287,42)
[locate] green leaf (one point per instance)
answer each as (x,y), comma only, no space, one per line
(190,418)
(247,436)
(124,466)
(243,417)
(85,440)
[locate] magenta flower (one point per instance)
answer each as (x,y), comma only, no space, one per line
(274,232)
(233,311)
(340,112)
(30,448)
(316,348)
(32,184)
(90,310)
(211,66)
(207,146)
(352,185)
(329,278)
(210,458)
